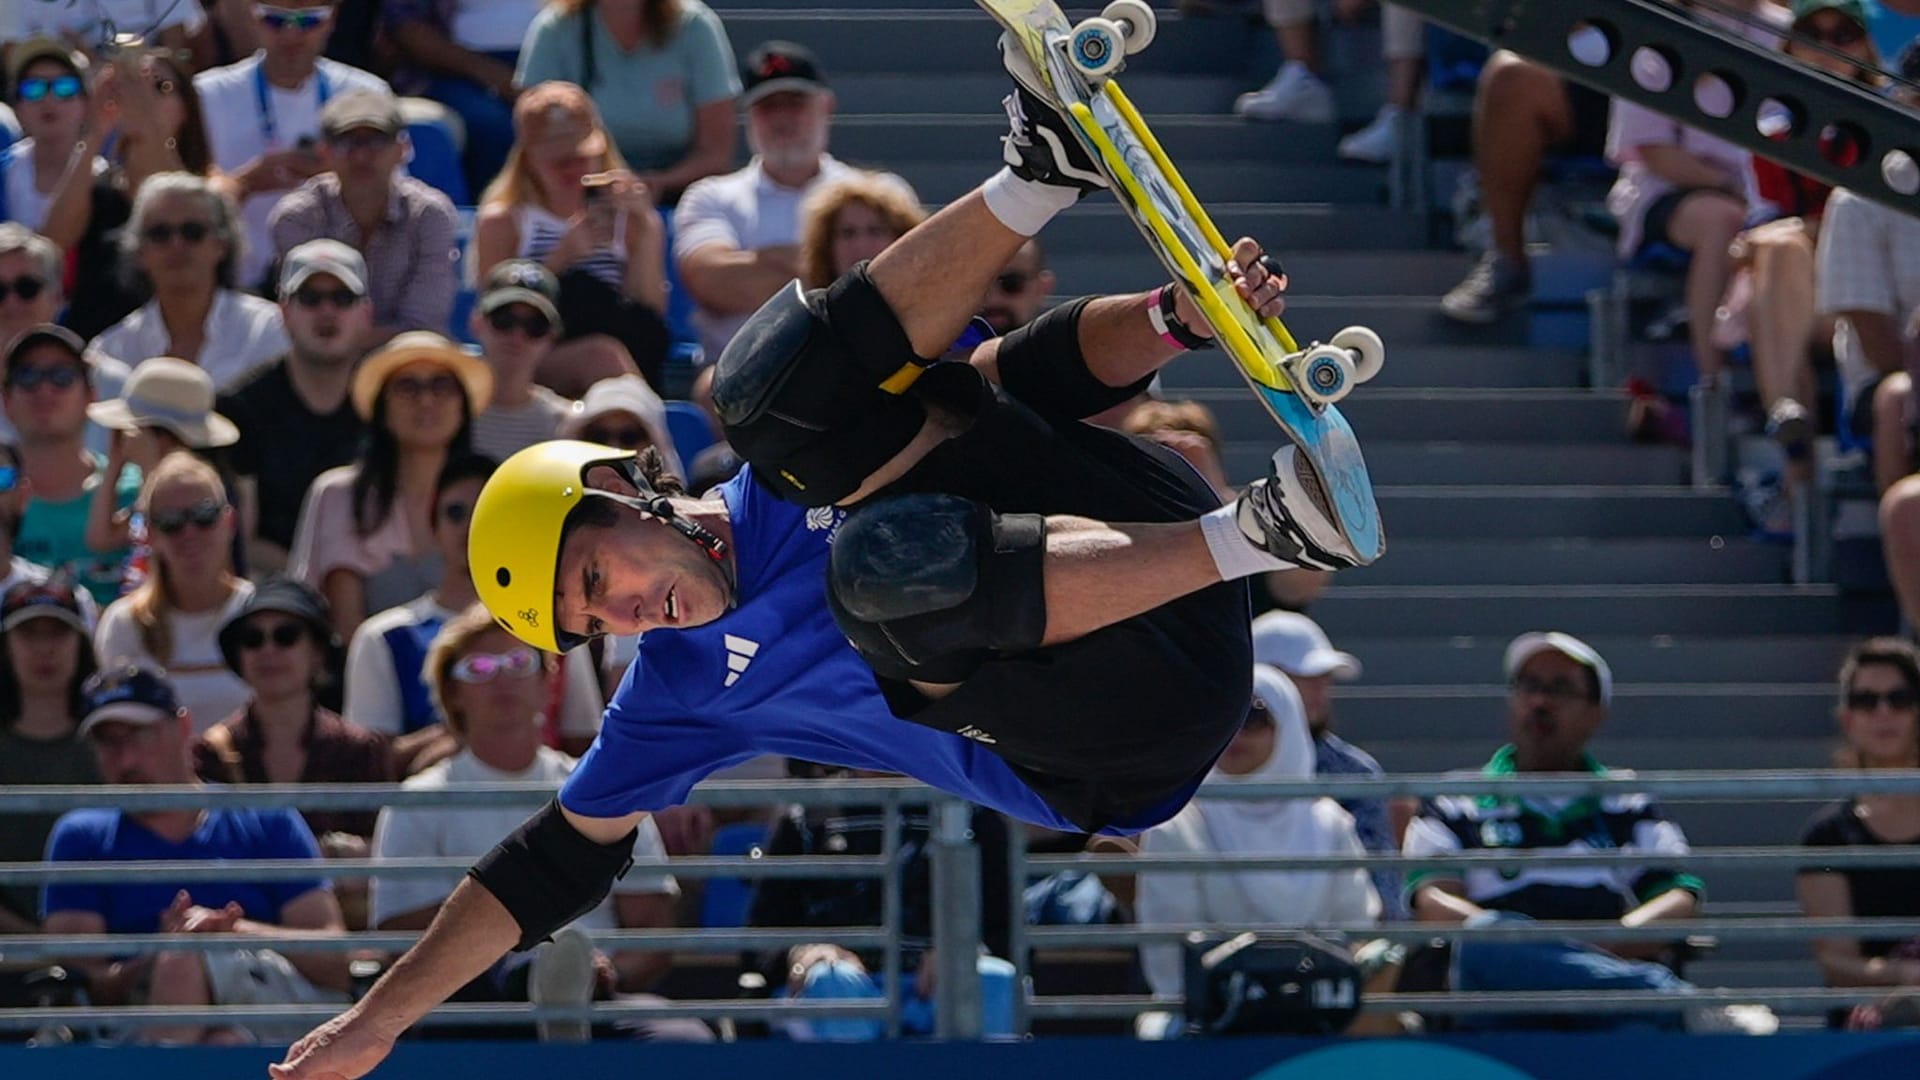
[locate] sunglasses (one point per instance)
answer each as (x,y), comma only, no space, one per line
(313,298)
(202,514)
(1844,32)
(419,386)
(456,512)
(60,88)
(284,636)
(26,287)
(485,667)
(626,438)
(1869,700)
(360,140)
(63,377)
(193,232)
(302,19)
(1012,281)
(9,478)
(535,326)
(1555,691)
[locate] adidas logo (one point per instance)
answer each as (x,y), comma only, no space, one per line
(740,653)
(974,733)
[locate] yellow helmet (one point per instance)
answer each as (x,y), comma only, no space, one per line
(513,546)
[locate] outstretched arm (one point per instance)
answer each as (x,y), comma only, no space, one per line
(473,930)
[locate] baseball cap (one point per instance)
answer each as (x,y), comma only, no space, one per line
(1527,646)
(323,256)
(361,109)
(1852,9)
(31,600)
(48,334)
(40,47)
(1296,645)
(774,66)
(522,281)
(128,695)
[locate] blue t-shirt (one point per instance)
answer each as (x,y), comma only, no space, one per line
(772,676)
(134,906)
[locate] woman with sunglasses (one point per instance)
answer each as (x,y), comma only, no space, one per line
(283,647)
(1879,718)
(365,537)
(146,120)
(184,240)
(52,103)
(171,620)
(566,199)
(45,657)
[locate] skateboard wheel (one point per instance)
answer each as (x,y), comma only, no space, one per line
(1097,48)
(1326,373)
(1136,21)
(1366,349)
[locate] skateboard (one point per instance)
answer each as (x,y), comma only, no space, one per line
(1298,386)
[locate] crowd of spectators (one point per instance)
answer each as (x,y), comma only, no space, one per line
(241,441)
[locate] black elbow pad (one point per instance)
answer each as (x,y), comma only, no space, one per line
(547,875)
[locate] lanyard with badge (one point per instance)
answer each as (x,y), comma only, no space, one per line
(263,100)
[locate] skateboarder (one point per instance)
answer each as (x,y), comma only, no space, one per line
(930,568)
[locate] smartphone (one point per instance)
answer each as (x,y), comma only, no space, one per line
(596,186)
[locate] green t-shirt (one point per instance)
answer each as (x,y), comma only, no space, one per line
(54,534)
(646,97)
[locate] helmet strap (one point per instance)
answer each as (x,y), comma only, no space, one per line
(651,502)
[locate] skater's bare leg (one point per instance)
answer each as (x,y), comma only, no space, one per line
(934,276)
(1099,574)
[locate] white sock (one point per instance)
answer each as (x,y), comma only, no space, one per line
(1025,206)
(1234,555)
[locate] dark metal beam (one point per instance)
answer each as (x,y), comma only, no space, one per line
(1886,134)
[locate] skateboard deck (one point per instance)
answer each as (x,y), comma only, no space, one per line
(1179,231)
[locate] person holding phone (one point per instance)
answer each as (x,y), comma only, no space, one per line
(566,199)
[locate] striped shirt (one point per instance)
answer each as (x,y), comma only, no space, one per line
(1628,823)
(410,254)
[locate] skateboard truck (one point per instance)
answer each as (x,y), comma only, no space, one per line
(1322,374)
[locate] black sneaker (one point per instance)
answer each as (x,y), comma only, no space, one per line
(1040,144)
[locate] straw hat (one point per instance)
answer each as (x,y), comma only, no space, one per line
(421,347)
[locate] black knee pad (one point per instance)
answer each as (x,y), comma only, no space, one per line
(929,586)
(1041,366)
(811,390)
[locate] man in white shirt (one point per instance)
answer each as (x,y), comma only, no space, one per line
(385,687)
(263,114)
(735,235)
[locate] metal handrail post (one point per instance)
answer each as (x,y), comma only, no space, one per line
(1017,929)
(890,915)
(956,921)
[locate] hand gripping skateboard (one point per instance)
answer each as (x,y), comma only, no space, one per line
(1298,386)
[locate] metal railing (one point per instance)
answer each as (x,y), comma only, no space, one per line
(957,917)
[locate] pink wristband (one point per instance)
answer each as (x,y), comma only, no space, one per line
(1159,321)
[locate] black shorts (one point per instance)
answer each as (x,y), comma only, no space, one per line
(1591,111)
(1114,727)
